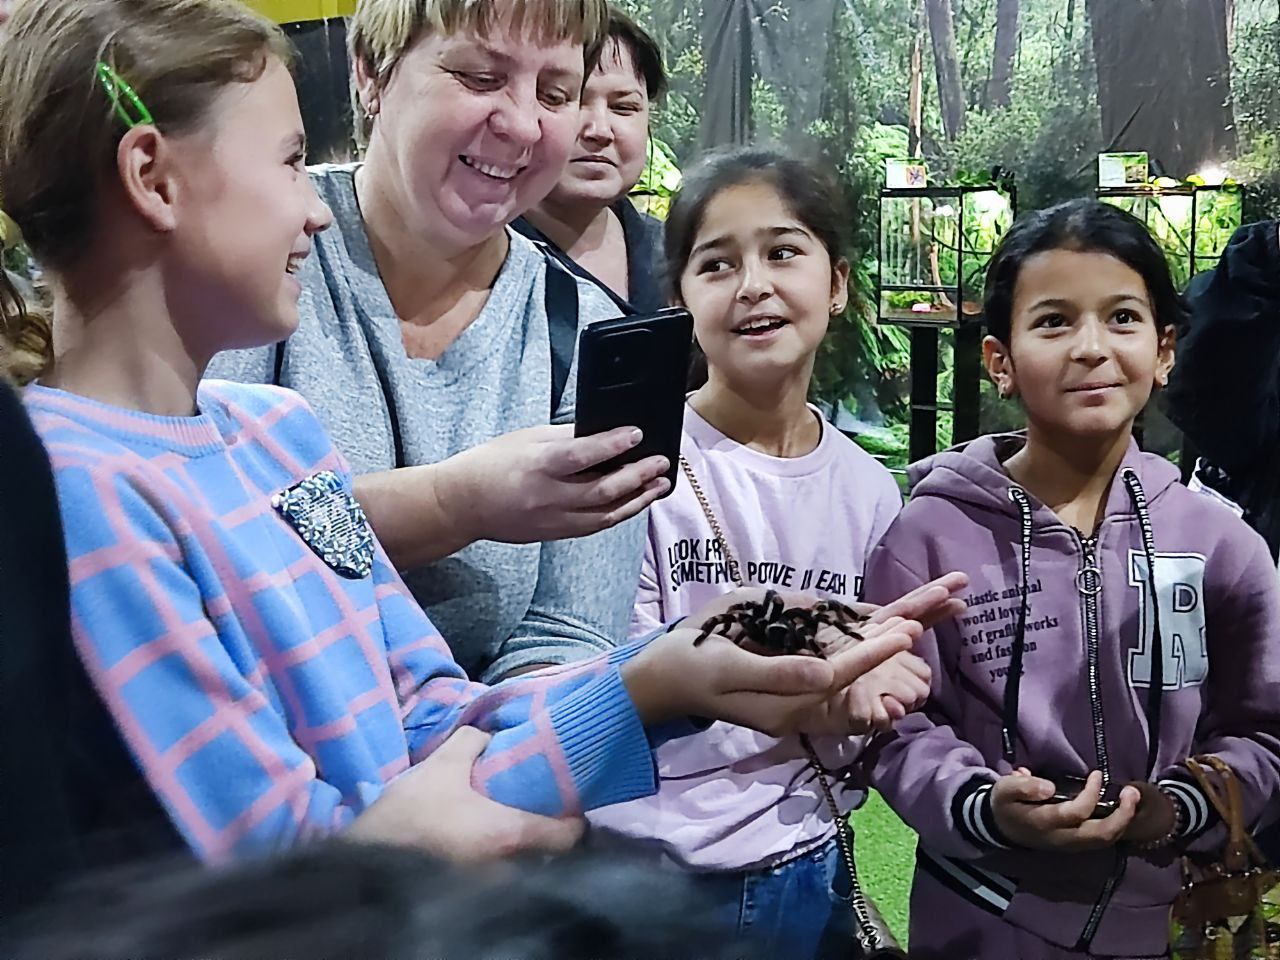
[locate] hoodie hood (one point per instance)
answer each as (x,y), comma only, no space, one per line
(974,473)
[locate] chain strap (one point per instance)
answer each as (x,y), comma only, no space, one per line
(735,571)
(869,937)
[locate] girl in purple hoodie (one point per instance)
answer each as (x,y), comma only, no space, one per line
(1117,623)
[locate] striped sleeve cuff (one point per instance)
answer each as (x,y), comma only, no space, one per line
(1198,814)
(972,815)
(604,743)
(628,651)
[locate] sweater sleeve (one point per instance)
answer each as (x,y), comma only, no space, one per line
(565,740)
(1225,388)
(1241,720)
(936,782)
(220,756)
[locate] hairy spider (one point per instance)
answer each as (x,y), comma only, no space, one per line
(776,628)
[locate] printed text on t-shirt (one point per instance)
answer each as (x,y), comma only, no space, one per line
(702,560)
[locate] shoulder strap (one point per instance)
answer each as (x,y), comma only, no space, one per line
(562,325)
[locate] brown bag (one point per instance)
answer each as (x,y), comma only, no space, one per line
(1219,908)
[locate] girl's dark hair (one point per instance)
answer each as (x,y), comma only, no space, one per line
(341,899)
(808,188)
(645,52)
(1086,226)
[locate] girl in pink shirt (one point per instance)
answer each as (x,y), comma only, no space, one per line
(769,495)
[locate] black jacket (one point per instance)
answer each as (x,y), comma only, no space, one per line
(71,797)
(1224,392)
(643,235)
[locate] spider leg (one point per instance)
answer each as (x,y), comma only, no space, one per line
(727,619)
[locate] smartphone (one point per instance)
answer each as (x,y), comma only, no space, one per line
(1068,788)
(632,372)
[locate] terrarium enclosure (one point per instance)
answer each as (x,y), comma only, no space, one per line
(935,244)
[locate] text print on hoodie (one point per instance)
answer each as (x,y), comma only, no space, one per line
(1079,613)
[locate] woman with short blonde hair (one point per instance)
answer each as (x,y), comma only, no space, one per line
(426,342)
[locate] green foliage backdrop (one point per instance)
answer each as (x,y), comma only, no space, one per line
(1046,126)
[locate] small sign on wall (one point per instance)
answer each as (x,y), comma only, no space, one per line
(1122,169)
(905,174)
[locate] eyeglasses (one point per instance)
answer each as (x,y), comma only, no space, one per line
(123,97)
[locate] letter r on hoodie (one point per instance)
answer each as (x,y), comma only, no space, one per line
(1179,579)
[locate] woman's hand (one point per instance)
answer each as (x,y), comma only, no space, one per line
(538,484)
(1020,811)
(433,807)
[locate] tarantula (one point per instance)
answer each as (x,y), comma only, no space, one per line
(769,624)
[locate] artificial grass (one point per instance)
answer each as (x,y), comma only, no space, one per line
(886,855)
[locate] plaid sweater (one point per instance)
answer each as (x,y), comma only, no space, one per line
(266,698)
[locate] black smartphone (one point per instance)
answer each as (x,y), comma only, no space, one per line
(632,372)
(1068,788)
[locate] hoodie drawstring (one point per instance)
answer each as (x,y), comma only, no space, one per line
(1155,693)
(1013,685)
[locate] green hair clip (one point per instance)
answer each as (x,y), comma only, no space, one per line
(123,97)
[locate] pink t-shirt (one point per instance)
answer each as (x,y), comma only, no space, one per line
(734,799)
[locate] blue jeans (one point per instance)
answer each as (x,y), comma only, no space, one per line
(783,911)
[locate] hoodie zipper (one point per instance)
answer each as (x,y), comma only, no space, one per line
(1104,900)
(1089,583)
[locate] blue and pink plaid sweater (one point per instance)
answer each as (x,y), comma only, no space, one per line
(265,698)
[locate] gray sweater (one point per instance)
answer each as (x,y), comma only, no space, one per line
(500,606)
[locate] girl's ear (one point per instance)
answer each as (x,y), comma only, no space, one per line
(839,286)
(999,363)
(147,166)
(1165,355)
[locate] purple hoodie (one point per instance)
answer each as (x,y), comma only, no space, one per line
(1078,615)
